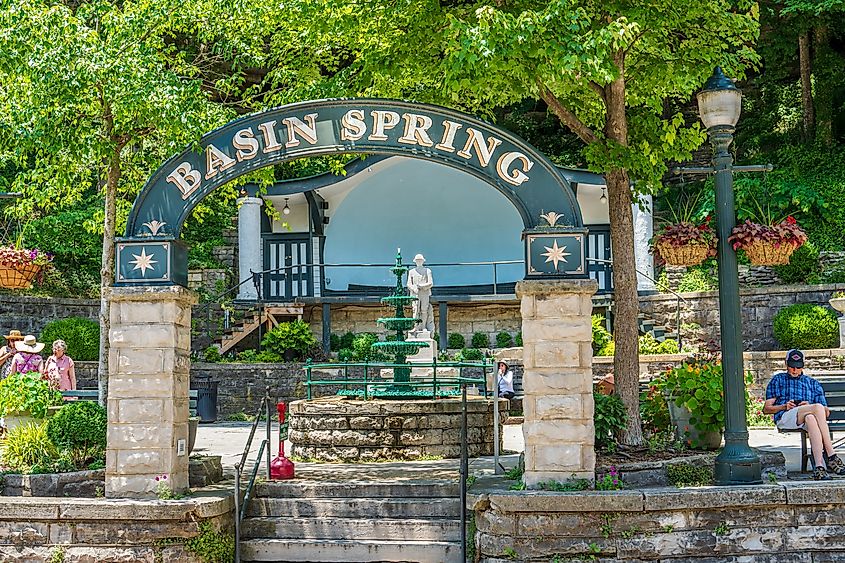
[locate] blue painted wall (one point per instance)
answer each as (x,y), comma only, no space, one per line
(428,208)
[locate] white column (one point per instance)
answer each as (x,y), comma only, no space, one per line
(249,244)
(643,231)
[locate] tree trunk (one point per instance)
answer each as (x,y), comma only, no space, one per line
(107,270)
(826,71)
(626,361)
(809,119)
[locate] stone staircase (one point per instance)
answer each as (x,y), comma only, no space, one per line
(649,325)
(269,316)
(410,521)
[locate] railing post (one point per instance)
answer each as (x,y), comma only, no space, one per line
(434,375)
(269,429)
(365,382)
(237,512)
(308,377)
(464,471)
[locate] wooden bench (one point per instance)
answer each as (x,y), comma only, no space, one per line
(93,395)
(834,392)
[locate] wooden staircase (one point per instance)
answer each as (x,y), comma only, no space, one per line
(268,316)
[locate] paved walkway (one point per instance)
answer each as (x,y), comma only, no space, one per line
(227,439)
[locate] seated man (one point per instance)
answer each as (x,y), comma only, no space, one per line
(797,401)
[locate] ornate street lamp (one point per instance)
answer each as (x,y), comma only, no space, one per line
(719,104)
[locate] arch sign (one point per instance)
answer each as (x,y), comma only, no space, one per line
(151,253)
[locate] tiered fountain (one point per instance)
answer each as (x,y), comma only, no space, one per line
(385,424)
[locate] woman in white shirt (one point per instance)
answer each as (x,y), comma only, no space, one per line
(504,381)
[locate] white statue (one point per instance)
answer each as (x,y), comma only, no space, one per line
(420,283)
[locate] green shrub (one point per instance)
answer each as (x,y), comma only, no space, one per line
(608,349)
(504,340)
(472,354)
(806,326)
(334,342)
(654,412)
(346,341)
(601,336)
(650,345)
(22,392)
(480,340)
(518,338)
(456,341)
(363,351)
(28,445)
(345,354)
(295,336)
(803,266)
(608,417)
(79,428)
(81,335)
(697,279)
(212,354)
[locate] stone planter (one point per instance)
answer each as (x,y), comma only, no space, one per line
(15,419)
(838,303)
(685,431)
(193,424)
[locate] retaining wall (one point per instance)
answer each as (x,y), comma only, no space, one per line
(103,530)
(785,522)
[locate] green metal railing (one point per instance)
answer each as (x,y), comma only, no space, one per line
(369,383)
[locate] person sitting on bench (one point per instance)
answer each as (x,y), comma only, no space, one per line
(504,381)
(797,401)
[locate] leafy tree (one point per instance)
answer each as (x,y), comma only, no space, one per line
(94,94)
(607,71)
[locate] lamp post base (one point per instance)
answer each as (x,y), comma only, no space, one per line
(738,464)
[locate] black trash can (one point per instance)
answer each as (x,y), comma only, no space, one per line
(206,399)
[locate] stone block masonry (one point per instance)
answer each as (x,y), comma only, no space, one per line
(148,389)
(785,522)
(557,379)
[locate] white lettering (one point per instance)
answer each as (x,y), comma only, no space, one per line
(416,130)
(514,177)
(246,144)
(353,125)
(271,143)
(484,151)
(296,125)
(446,143)
(383,120)
(186,179)
(216,161)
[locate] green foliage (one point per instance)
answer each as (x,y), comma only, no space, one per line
(504,340)
(698,279)
(608,349)
(57,554)
(803,267)
(754,413)
(698,387)
(456,341)
(654,412)
(79,428)
(363,351)
(571,485)
(295,336)
(608,417)
(27,392)
(334,342)
(212,546)
(28,445)
(480,340)
(601,336)
(345,355)
(690,475)
(81,335)
(518,338)
(610,481)
(262,357)
(806,326)
(471,355)
(212,354)
(346,340)
(650,345)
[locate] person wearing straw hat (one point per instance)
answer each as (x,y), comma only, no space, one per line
(28,357)
(7,351)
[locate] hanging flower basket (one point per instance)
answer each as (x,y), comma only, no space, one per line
(768,245)
(684,244)
(20,266)
(18,277)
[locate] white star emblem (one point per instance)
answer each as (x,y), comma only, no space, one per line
(555,254)
(143,262)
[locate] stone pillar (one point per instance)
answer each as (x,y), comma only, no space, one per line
(643,231)
(149,365)
(558,379)
(249,244)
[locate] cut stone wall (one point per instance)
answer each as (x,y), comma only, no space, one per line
(211,281)
(795,522)
(351,430)
(759,307)
(30,314)
(73,530)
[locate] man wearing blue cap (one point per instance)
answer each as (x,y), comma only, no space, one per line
(797,401)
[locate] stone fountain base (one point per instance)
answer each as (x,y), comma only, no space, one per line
(343,430)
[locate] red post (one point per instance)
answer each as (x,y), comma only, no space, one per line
(281,467)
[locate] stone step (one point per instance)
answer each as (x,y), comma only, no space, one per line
(319,529)
(364,489)
(358,551)
(353,508)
